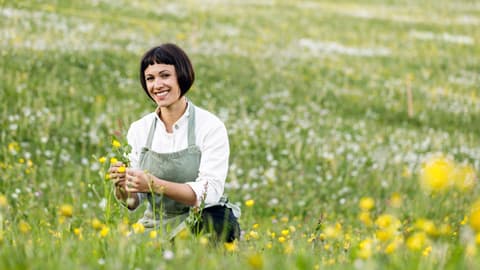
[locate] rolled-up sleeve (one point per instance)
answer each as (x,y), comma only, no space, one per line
(210,183)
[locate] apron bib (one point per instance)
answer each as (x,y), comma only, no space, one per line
(180,167)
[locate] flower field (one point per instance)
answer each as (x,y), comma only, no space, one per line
(354,129)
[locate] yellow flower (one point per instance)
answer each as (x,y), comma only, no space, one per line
(427,226)
(475,219)
(436,174)
(203,241)
(3,201)
(24,227)
(282,239)
(104,231)
(113,160)
(230,246)
(285,232)
(153,234)
(102,159)
(66,210)
(97,224)
(255,261)
(365,249)
(249,203)
(365,218)
(396,200)
(116,144)
(367,203)
(388,221)
(256,226)
(13,147)
(417,241)
(138,228)
(121,169)
(427,251)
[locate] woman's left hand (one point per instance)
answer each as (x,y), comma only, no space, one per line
(138,181)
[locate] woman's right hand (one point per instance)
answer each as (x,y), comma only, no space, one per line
(117,173)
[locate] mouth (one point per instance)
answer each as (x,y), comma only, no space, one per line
(160,94)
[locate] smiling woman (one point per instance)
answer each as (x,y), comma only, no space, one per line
(179,157)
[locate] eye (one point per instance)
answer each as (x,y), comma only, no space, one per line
(149,79)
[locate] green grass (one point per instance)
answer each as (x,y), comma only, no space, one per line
(313,95)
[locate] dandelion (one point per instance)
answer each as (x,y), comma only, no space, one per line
(365,248)
(285,232)
(153,234)
(203,241)
(230,246)
(78,232)
(66,210)
(113,160)
(437,173)
(255,226)
(24,227)
(13,147)
(475,217)
(282,239)
(121,169)
(427,251)
(416,241)
(138,228)
(255,261)
(396,200)
(249,203)
(102,160)
(104,231)
(116,144)
(427,226)
(97,224)
(365,218)
(367,203)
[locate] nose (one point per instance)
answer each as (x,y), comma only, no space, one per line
(157,83)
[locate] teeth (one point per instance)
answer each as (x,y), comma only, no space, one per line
(160,94)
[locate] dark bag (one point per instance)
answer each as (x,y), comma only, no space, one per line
(219,222)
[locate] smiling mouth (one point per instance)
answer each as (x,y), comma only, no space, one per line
(161,93)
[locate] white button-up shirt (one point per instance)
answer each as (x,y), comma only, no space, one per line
(210,136)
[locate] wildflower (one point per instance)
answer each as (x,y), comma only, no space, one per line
(3,201)
(282,239)
(153,234)
(253,235)
(367,203)
(116,144)
(427,226)
(255,261)
(78,232)
(203,241)
(97,224)
(13,147)
(427,251)
(386,221)
(416,241)
(396,200)
(24,227)
(168,255)
(249,203)
(66,210)
(436,174)
(107,176)
(285,232)
(121,169)
(365,249)
(104,231)
(230,246)
(138,228)
(113,160)
(102,159)
(364,217)
(256,226)
(475,217)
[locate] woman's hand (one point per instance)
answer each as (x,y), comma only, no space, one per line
(139,181)
(117,173)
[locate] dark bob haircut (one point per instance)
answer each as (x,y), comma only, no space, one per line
(169,54)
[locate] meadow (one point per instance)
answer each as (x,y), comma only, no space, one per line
(354,129)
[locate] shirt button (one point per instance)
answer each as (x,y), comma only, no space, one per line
(176,126)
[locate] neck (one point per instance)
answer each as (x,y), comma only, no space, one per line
(169,115)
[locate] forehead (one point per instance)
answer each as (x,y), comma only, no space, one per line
(155,68)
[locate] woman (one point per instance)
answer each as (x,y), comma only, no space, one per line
(179,157)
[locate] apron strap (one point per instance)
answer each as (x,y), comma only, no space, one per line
(151,132)
(191,127)
(191,124)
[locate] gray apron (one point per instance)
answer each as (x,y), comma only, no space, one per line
(179,167)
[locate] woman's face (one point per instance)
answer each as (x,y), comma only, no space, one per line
(162,84)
